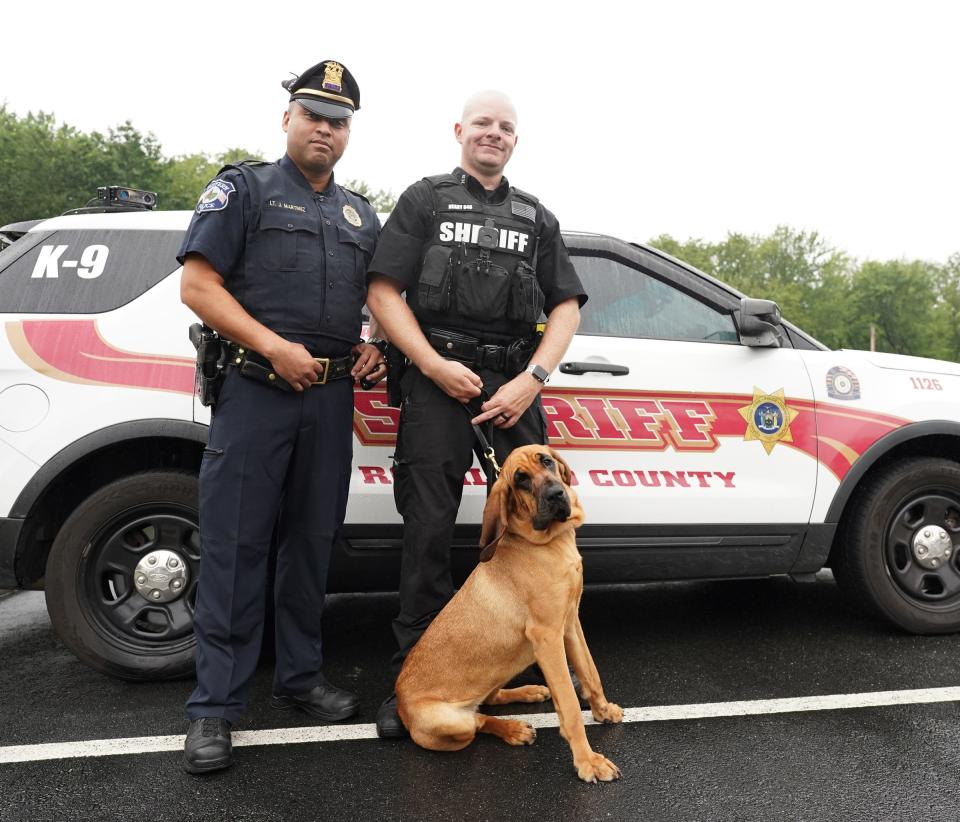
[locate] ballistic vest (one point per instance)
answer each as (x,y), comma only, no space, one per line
(478,272)
(304,266)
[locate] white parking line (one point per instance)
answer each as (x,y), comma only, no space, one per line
(341,733)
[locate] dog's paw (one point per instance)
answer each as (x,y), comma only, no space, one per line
(597,769)
(537,693)
(608,713)
(519,733)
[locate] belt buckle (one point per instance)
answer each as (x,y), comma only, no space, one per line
(325,362)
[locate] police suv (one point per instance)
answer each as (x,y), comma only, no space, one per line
(708,437)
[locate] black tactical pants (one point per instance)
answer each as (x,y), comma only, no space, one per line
(434,450)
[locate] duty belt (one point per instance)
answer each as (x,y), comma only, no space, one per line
(469,350)
(257,367)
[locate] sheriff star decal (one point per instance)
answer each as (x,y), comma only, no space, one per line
(768,418)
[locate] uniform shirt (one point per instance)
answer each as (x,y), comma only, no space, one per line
(399,253)
(219,233)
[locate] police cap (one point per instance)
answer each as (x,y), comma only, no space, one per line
(327,89)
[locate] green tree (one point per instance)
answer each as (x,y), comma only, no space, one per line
(946,309)
(187,174)
(46,169)
(695,252)
(382,200)
(897,297)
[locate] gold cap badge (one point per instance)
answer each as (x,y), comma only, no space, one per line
(333,76)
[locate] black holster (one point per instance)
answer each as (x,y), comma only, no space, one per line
(396,367)
(519,353)
(212,352)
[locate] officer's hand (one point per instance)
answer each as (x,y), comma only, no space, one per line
(369,363)
(512,398)
(294,363)
(455,379)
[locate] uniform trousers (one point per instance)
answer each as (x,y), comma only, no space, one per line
(434,450)
(277,466)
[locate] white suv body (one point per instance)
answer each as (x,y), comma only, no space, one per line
(703,445)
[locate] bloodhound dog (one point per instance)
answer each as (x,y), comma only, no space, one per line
(519,605)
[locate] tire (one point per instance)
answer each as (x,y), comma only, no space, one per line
(883,559)
(148,522)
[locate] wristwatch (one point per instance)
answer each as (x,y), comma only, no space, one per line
(539,373)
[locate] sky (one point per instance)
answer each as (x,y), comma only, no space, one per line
(636,119)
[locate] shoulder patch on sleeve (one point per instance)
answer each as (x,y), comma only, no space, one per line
(215,196)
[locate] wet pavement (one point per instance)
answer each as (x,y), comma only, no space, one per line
(656,645)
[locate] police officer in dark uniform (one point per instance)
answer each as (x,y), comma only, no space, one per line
(275,260)
(479,261)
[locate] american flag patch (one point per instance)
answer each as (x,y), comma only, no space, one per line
(528,212)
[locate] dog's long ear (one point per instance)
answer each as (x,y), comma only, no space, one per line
(565,472)
(494,520)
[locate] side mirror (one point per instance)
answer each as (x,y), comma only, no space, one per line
(758,321)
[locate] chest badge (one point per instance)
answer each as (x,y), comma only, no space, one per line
(768,419)
(351,216)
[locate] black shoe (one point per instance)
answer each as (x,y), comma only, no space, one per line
(208,746)
(389,725)
(324,701)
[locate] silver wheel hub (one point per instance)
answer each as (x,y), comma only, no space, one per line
(161,576)
(932,547)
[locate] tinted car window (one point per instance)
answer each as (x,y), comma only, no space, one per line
(626,302)
(84,272)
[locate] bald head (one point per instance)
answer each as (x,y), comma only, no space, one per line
(487,133)
(488,99)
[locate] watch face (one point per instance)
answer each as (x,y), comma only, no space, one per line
(538,372)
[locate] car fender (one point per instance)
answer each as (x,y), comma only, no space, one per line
(881,448)
(101,438)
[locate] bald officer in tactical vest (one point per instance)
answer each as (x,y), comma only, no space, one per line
(479,261)
(275,260)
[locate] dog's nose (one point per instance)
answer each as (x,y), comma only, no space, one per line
(554,492)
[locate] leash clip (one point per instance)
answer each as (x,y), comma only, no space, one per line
(492,459)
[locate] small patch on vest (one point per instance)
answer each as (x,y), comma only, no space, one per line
(351,216)
(215,196)
(528,212)
(459,207)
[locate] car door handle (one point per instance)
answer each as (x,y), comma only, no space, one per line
(585,367)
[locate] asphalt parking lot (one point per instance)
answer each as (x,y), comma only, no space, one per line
(698,666)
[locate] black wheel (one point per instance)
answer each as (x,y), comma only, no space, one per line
(897,549)
(121,579)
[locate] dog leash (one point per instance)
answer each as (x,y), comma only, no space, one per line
(484,447)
